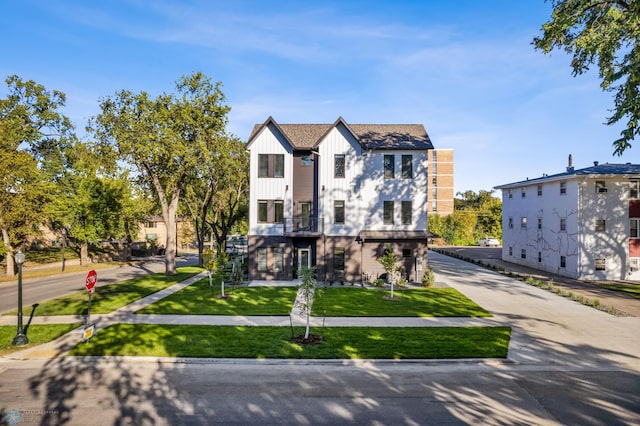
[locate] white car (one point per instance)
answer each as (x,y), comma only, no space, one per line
(488,242)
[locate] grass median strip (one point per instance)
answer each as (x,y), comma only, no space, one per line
(366,302)
(275,342)
(110,297)
(36,333)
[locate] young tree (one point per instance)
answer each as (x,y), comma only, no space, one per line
(307,287)
(31,130)
(606,33)
(389,262)
(168,139)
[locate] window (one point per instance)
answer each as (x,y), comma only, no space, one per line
(563,261)
(539,257)
(389,166)
(388,213)
(523,193)
(152,224)
(278,211)
(406,212)
(634,189)
(434,192)
(600,225)
(523,222)
(523,253)
(407,253)
(601,264)
(634,228)
(563,224)
(338,259)
(262,259)
(634,264)
(601,186)
(510,193)
(262,210)
(510,226)
(338,211)
(563,188)
(434,206)
(407,167)
(278,259)
(305,161)
(270,165)
(539,190)
(339,163)
(539,223)
(510,251)
(434,180)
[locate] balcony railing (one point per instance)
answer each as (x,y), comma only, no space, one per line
(304,225)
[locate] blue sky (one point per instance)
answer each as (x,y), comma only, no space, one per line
(465,69)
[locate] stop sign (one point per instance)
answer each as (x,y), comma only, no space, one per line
(92,279)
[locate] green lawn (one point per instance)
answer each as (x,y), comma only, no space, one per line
(365,302)
(274,342)
(198,299)
(113,296)
(632,290)
(36,333)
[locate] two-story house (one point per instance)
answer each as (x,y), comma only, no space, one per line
(582,223)
(332,196)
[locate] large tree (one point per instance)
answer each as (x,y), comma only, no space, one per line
(167,138)
(31,132)
(606,33)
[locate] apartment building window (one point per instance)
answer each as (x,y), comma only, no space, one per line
(262,259)
(539,257)
(510,226)
(389,166)
(600,225)
(434,206)
(601,264)
(270,165)
(634,189)
(278,211)
(406,212)
(523,253)
(563,261)
(539,190)
(278,259)
(262,210)
(407,167)
(434,180)
(563,188)
(523,222)
(338,259)
(510,251)
(305,161)
(601,186)
(510,193)
(634,228)
(339,165)
(539,223)
(338,211)
(388,213)
(523,192)
(434,192)
(563,224)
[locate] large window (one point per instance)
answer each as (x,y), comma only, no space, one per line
(339,163)
(389,167)
(262,210)
(338,259)
(278,211)
(262,259)
(407,167)
(271,211)
(278,259)
(388,213)
(270,165)
(338,211)
(406,212)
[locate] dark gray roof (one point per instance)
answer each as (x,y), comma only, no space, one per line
(370,136)
(603,170)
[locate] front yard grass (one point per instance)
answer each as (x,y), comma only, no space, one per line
(113,296)
(198,299)
(628,289)
(364,302)
(36,333)
(274,342)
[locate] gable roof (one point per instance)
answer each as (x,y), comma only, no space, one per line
(597,170)
(369,136)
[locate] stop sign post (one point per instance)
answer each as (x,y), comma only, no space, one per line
(90,284)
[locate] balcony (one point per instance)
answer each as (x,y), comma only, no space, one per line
(304,226)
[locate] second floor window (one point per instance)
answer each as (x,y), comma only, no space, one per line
(407,212)
(539,223)
(539,190)
(523,222)
(338,211)
(339,163)
(270,211)
(270,165)
(389,167)
(407,167)
(510,225)
(563,224)
(600,225)
(634,189)
(563,188)
(388,213)
(278,211)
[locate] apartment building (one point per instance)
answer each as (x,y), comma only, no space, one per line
(581,223)
(333,196)
(440,181)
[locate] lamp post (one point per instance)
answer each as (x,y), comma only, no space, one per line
(20,339)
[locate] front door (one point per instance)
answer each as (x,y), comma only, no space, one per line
(304,258)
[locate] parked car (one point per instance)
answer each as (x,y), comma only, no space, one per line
(488,241)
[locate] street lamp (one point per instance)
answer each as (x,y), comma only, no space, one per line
(20,339)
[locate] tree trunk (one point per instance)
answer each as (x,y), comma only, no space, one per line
(84,254)
(170,221)
(11,266)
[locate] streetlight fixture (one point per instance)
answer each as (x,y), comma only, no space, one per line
(20,339)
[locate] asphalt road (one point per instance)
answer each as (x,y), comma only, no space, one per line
(36,290)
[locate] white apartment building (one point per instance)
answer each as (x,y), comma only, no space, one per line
(334,195)
(582,223)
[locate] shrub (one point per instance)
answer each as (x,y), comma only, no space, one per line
(429,278)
